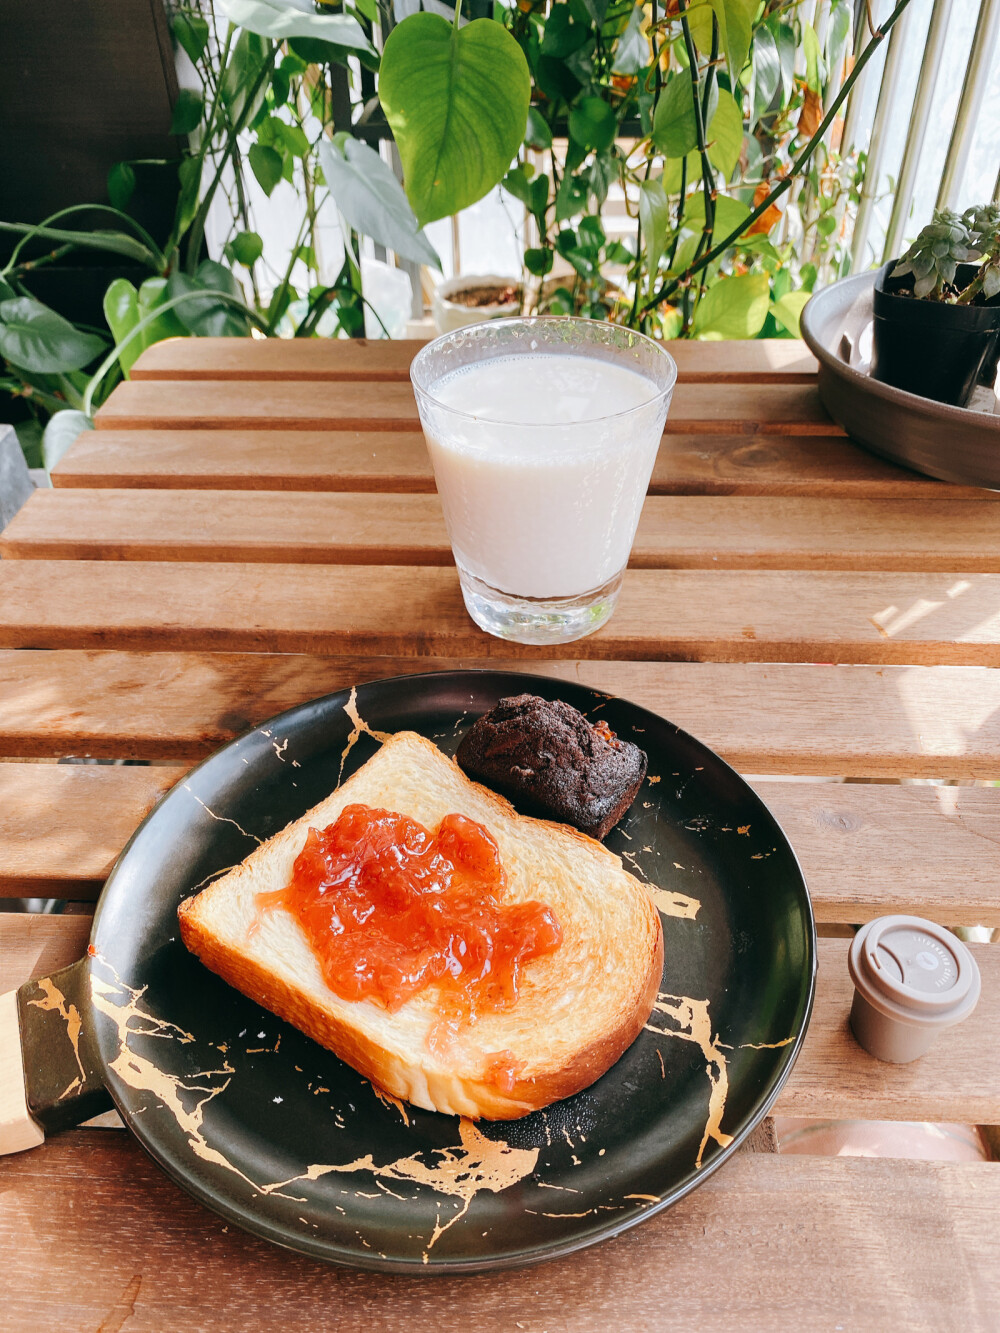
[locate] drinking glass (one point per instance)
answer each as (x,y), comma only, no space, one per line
(542,434)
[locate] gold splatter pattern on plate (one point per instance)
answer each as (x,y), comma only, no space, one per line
(53,1001)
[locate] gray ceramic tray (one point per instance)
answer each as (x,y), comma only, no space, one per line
(953,443)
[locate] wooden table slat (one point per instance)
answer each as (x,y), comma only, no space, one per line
(761,360)
(866,850)
(675,532)
(709,408)
(687,615)
(782,1243)
(63,825)
(886,722)
(397,461)
(957,1080)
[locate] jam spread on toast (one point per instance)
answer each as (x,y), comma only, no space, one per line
(390,908)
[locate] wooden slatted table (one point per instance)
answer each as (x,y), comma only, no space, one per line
(804,608)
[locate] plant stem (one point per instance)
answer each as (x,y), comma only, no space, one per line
(701,100)
(668,289)
(32,394)
(30,264)
(197,230)
(285,283)
(705,243)
(680,216)
(29,230)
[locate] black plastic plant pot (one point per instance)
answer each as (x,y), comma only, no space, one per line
(930,348)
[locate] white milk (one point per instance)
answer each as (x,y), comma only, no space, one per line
(542,478)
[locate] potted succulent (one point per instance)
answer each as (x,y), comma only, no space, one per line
(936,325)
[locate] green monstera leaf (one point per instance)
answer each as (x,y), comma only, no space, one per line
(457,102)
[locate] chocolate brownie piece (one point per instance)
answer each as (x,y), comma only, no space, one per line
(551,761)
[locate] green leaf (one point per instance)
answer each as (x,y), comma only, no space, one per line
(729,213)
(64,429)
(725,134)
(785,40)
(735,19)
(457,103)
(36,339)
(562,36)
(632,50)
(766,71)
(810,49)
(555,79)
(247,248)
(654,218)
(121,185)
(189,173)
(292,138)
(372,199)
(280,85)
(153,293)
(121,310)
(672,172)
(733,308)
(29,437)
(674,130)
(191,34)
(246,60)
(516,183)
(538,134)
(571,197)
(596,9)
(592,123)
(314,52)
(206,317)
(700,23)
(188,110)
(838,32)
(590,229)
(114,242)
(788,309)
(266,165)
(538,262)
(270,18)
(539,197)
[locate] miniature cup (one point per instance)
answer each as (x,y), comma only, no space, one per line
(913,979)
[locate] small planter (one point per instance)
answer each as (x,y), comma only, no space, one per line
(931,348)
(471,299)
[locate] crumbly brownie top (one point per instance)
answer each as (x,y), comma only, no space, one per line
(547,756)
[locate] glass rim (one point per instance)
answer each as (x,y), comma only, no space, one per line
(422,389)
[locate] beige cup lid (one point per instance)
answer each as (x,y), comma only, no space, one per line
(914,970)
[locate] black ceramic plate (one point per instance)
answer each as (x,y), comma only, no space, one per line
(279,1136)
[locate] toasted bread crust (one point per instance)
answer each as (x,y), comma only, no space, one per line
(460,1096)
(632,960)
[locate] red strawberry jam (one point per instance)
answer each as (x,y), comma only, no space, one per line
(390,908)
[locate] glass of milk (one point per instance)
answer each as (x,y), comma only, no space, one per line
(542,434)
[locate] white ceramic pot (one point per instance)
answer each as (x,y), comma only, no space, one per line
(450,315)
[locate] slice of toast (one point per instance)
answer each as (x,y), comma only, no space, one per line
(578,1010)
